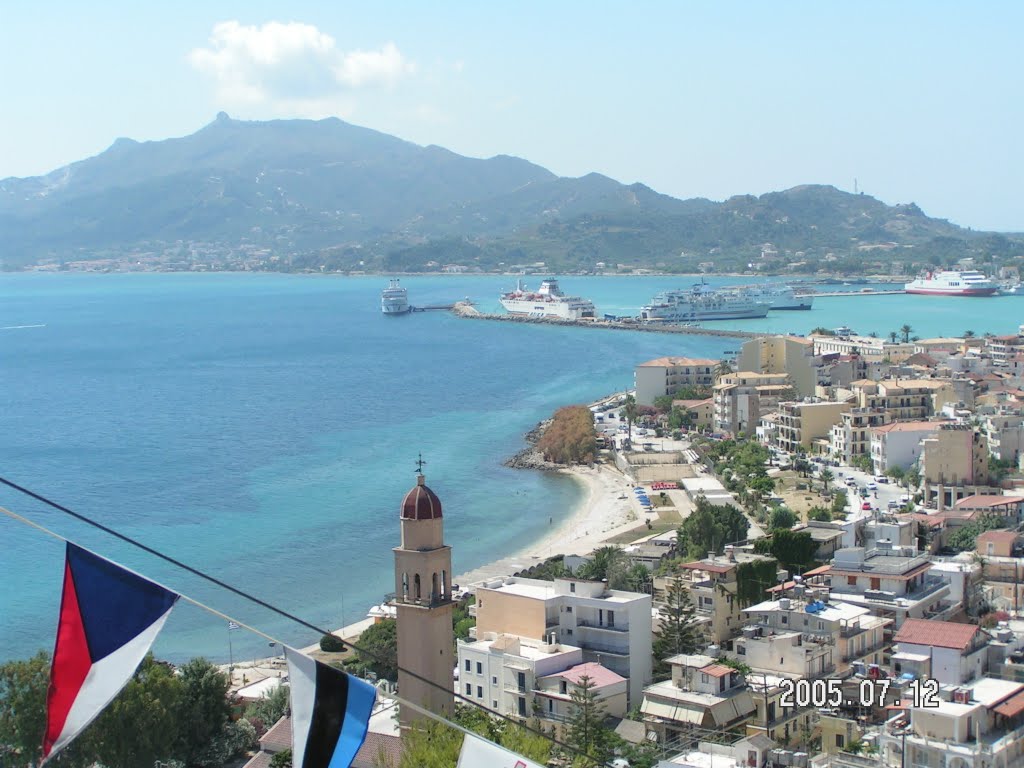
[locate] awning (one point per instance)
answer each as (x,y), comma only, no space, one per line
(1012,707)
(672,712)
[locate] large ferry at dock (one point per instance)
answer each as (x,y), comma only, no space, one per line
(547,301)
(702,303)
(394,300)
(951,283)
(777,296)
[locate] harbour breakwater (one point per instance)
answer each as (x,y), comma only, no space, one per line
(462,309)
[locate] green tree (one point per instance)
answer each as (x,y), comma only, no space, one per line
(968,334)
(793,549)
(637,579)
(379,650)
(897,474)
(677,631)
(23,687)
(893,336)
(839,502)
(331,644)
(587,731)
(819,514)
(602,564)
(268,709)
(906,330)
(862,462)
(204,709)
(722,369)
(710,527)
(430,745)
(781,517)
(282,759)
(826,478)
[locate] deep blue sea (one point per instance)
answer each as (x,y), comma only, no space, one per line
(265,428)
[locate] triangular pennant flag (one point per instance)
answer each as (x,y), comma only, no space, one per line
(109,618)
(477,753)
(330,713)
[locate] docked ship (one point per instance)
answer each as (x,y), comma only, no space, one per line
(951,283)
(394,300)
(777,296)
(702,303)
(547,301)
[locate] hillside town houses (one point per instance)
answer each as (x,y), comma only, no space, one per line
(923,589)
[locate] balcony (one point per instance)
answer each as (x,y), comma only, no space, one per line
(603,648)
(514,688)
(594,625)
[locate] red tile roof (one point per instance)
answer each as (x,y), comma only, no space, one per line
(994,500)
(937,634)
(700,565)
(376,747)
(717,670)
(278,737)
(599,676)
(997,537)
(1012,707)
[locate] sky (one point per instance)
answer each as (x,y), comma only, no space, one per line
(910,101)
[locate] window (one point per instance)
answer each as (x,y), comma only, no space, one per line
(876,583)
(479,691)
(564,687)
(469,665)
(469,689)
(568,632)
(494,705)
(784,619)
(611,618)
(479,668)
(840,741)
(851,581)
(568,609)
(572,587)
(703,677)
(494,679)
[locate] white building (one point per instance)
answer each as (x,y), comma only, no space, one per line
(610,626)
(899,444)
(667,375)
(957,653)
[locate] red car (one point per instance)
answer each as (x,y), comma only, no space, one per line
(866,506)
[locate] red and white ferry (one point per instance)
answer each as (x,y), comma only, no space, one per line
(948,283)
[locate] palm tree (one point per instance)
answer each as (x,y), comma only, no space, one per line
(906,330)
(968,334)
(827,477)
(893,336)
(722,369)
(630,411)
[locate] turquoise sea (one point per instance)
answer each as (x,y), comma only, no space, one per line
(265,428)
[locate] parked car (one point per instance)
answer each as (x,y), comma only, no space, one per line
(865,506)
(872,487)
(881,479)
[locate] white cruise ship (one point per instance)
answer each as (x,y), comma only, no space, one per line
(777,296)
(701,303)
(951,283)
(394,300)
(547,301)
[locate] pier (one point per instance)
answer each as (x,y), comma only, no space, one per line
(856,293)
(464,310)
(435,307)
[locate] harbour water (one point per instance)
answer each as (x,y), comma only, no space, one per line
(265,427)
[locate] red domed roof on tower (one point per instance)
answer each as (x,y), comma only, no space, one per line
(421,503)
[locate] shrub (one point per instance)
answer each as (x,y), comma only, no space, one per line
(331,644)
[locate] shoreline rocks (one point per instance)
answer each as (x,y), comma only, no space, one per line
(530,457)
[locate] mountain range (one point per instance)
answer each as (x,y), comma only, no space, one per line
(315,194)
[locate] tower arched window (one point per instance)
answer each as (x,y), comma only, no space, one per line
(405,585)
(417,595)
(434,594)
(444,584)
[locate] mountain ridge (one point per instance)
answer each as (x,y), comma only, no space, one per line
(332,194)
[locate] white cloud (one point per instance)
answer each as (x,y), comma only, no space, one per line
(291,65)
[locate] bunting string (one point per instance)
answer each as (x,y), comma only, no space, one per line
(279,611)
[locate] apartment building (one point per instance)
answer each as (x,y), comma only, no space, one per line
(891,582)
(1001,557)
(799,424)
(789,355)
(740,399)
(770,716)
(501,672)
(555,692)
(702,412)
(955,653)
(1003,348)
(954,464)
(904,399)
(666,375)
(851,437)
(871,348)
(809,637)
(610,626)
(712,584)
(1005,432)
(898,444)
(701,693)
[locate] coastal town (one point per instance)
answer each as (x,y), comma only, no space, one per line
(805,556)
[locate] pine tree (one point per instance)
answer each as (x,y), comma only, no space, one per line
(678,631)
(587,731)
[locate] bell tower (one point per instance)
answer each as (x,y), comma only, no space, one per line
(423,602)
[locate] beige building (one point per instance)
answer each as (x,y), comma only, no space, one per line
(851,437)
(423,604)
(702,412)
(740,399)
(899,444)
(904,399)
(667,375)
(871,348)
(800,424)
(790,355)
(954,464)
(610,626)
